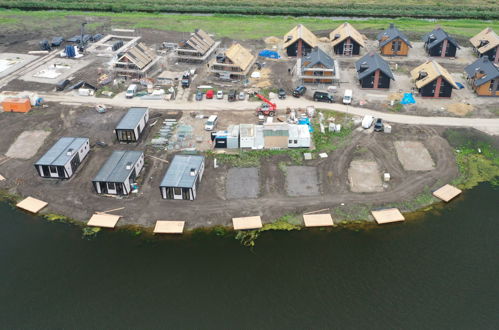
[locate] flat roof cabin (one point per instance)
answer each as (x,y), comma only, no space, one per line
(132,125)
(182,177)
(119,172)
(63,159)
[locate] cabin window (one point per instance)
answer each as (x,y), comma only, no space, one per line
(396,45)
(53,169)
(111,186)
(177,191)
(491,85)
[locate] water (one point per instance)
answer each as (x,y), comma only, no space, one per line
(438,272)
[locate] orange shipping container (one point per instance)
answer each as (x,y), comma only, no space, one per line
(16,105)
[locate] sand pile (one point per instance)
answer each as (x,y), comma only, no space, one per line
(272,40)
(460,109)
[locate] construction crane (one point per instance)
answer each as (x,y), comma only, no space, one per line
(267,108)
(82,40)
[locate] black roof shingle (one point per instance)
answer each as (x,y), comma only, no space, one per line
(370,63)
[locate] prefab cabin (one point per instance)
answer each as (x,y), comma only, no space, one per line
(432,80)
(182,178)
(299,41)
(346,40)
(373,72)
(486,43)
(393,42)
(439,43)
(483,77)
(299,136)
(119,172)
(63,159)
(132,125)
(247,136)
(227,139)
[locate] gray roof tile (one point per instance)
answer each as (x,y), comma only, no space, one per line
(392,33)
(132,118)
(115,168)
(58,154)
(179,171)
(373,62)
(485,66)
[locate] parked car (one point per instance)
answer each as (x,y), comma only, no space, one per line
(323,97)
(367,121)
(209,94)
(186,80)
(211,123)
(232,96)
(199,96)
(220,94)
(281,93)
(378,125)
(299,91)
(131,91)
(242,96)
(347,97)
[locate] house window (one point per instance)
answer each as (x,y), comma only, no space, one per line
(396,46)
(53,169)
(296,141)
(290,141)
(111,186)
(491,85)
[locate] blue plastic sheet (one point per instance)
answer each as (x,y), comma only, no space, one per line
(269,54)
(408,99)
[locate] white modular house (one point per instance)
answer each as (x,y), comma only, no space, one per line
(299,136)
(182,177)
(132,125)
(63,159)
(247,136)
(119,172)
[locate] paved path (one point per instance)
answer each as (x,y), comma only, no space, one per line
(488,125)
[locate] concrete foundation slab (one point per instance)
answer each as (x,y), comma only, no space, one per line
(414,156)
(242,183)
(27,144)
(302,181)
(364,176)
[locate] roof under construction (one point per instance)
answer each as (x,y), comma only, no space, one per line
(485,40)
(199,41)
(300,32)
(344,31)
(140,55)
(240,56)
(428,72)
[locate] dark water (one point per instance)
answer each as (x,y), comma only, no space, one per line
(438,272)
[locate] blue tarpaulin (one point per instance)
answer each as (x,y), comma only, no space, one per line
(461,86)
(70,51)
(269,54)
(408,99)
(306,121)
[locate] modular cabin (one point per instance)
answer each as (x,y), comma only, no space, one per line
(439,43)
(346,40)
(393,42)
(182,178)
(299,41)
(318,68)
(247,136)
(432,80)
(226,139)
(119,173)
(197,48)
(486,43)
(63,159)
(275,135)
(235,63)
(483,77)
(374,72)
(299,136)
(132,125)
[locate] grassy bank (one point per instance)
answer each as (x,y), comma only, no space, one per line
(231,26)
(482,9)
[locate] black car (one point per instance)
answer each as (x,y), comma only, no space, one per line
(299,91)
(199,96)
(323,97)
(232,96)
(378,125)
(281,93)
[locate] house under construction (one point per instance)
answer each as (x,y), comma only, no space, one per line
(137,62)
(197,48)
(235,63)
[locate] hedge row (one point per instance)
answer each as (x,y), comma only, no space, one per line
(251,8)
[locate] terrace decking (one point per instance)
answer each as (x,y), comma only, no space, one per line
(169,227)
(32,205)
(318,220)
(447,193)
(245,223)
(103,220)
(387,216)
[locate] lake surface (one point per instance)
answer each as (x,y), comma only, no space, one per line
(440,271)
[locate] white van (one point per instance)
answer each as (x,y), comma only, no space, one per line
(347,97)
(211,123)
(131,91)
(367,121)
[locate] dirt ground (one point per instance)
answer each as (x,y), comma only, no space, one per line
(327,177)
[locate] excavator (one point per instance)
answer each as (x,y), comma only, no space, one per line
(267,108)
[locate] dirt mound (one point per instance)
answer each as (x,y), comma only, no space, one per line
(460,109)
(272,40)
(395,96)
(264,81)
(324,39)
